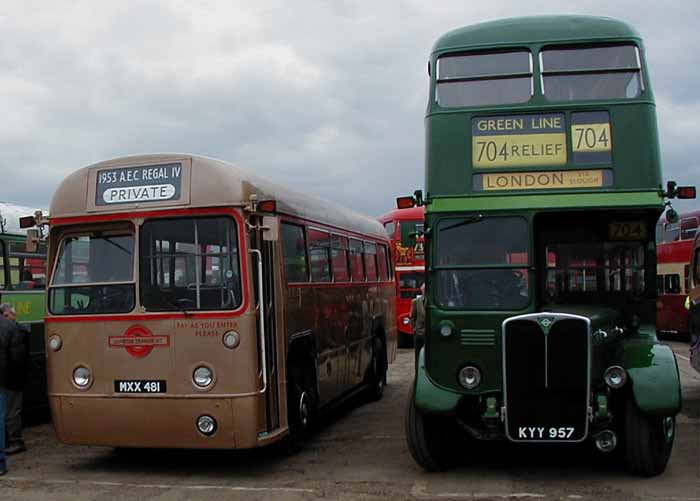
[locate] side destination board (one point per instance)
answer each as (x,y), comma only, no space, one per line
(518,140)
(128,185)
(543,180)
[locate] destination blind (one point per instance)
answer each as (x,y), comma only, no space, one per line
(152,183)
(519,140)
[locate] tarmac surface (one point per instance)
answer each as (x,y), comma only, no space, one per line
(358,452)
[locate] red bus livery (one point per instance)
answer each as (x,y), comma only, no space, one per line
(674,244)
(405,229)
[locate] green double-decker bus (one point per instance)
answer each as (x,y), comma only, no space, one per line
(23,284)
(543,188)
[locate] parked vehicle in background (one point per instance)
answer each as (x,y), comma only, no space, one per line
(23,285)
(674,244)
(543,179)
(193,305)
(405,229)
(693,303)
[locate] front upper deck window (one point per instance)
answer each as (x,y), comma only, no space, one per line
(190,264)
(93,274)
(591,73)
(482,263)
(484,79)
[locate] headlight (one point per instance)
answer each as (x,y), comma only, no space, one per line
(231,339)
(206,425)
(470,377)
(202,376)
(446,328)
(81,376)
(615,377)
(406,320)
(55,343)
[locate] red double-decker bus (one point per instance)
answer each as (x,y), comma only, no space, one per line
(405,229)
(674,244)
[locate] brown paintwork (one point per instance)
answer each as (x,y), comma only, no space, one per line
(97,416)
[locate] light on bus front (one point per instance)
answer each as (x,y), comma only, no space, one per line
(470,377)
(81,376)
(615,377)
(206,425)
(202,376)
(55,343)
(231,339)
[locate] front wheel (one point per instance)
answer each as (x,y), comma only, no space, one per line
(648,441)
(428,439)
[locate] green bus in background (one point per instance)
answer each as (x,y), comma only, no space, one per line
(23,284)
(544,185)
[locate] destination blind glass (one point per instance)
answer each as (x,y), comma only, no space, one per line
(127,185)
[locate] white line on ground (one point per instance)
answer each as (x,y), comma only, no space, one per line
(97,483)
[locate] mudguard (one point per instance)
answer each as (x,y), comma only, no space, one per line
(653,373)
(429,397)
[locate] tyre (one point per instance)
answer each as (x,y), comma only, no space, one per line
(648,441)
(428,438)
(301,409)
(376,377)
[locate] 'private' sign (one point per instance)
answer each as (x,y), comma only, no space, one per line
(128,185)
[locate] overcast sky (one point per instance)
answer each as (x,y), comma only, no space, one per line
(325,96)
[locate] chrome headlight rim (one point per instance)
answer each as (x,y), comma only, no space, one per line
(82,372)
(207,425)
(203,377)
(469,377)
(615,377)
(55,343)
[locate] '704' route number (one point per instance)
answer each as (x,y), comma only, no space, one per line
(544,433)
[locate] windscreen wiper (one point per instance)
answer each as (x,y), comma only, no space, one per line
(469,220)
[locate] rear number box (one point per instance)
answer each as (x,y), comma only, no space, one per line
(139,386)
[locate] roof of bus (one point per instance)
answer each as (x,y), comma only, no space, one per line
(535,29)
(214,183)
(413,213)
(11,213)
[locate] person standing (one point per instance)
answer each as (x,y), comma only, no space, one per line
(417,316)
(16,379)
(7,330)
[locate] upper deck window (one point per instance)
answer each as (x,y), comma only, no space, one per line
(484,79)
(94,274)
(591,73)
(190,264)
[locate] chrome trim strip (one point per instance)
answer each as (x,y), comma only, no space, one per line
(533,318)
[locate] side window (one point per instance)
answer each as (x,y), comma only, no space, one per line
(382,263)
(319,255)
(689,227)
(371,261)
(339,258)
(659,284)
(2,265)
(294,248)
(357,270)
(672,283)
(27,269)
(672,232)
(390,228)
(659,233)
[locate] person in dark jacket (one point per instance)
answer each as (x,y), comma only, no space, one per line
(7,330)
(16,379)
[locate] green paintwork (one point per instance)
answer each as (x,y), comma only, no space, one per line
(428,396)
(653,373)
(540,29)
(30,306)
(547,201)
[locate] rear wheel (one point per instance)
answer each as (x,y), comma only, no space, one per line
(428,438)
(648,441)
